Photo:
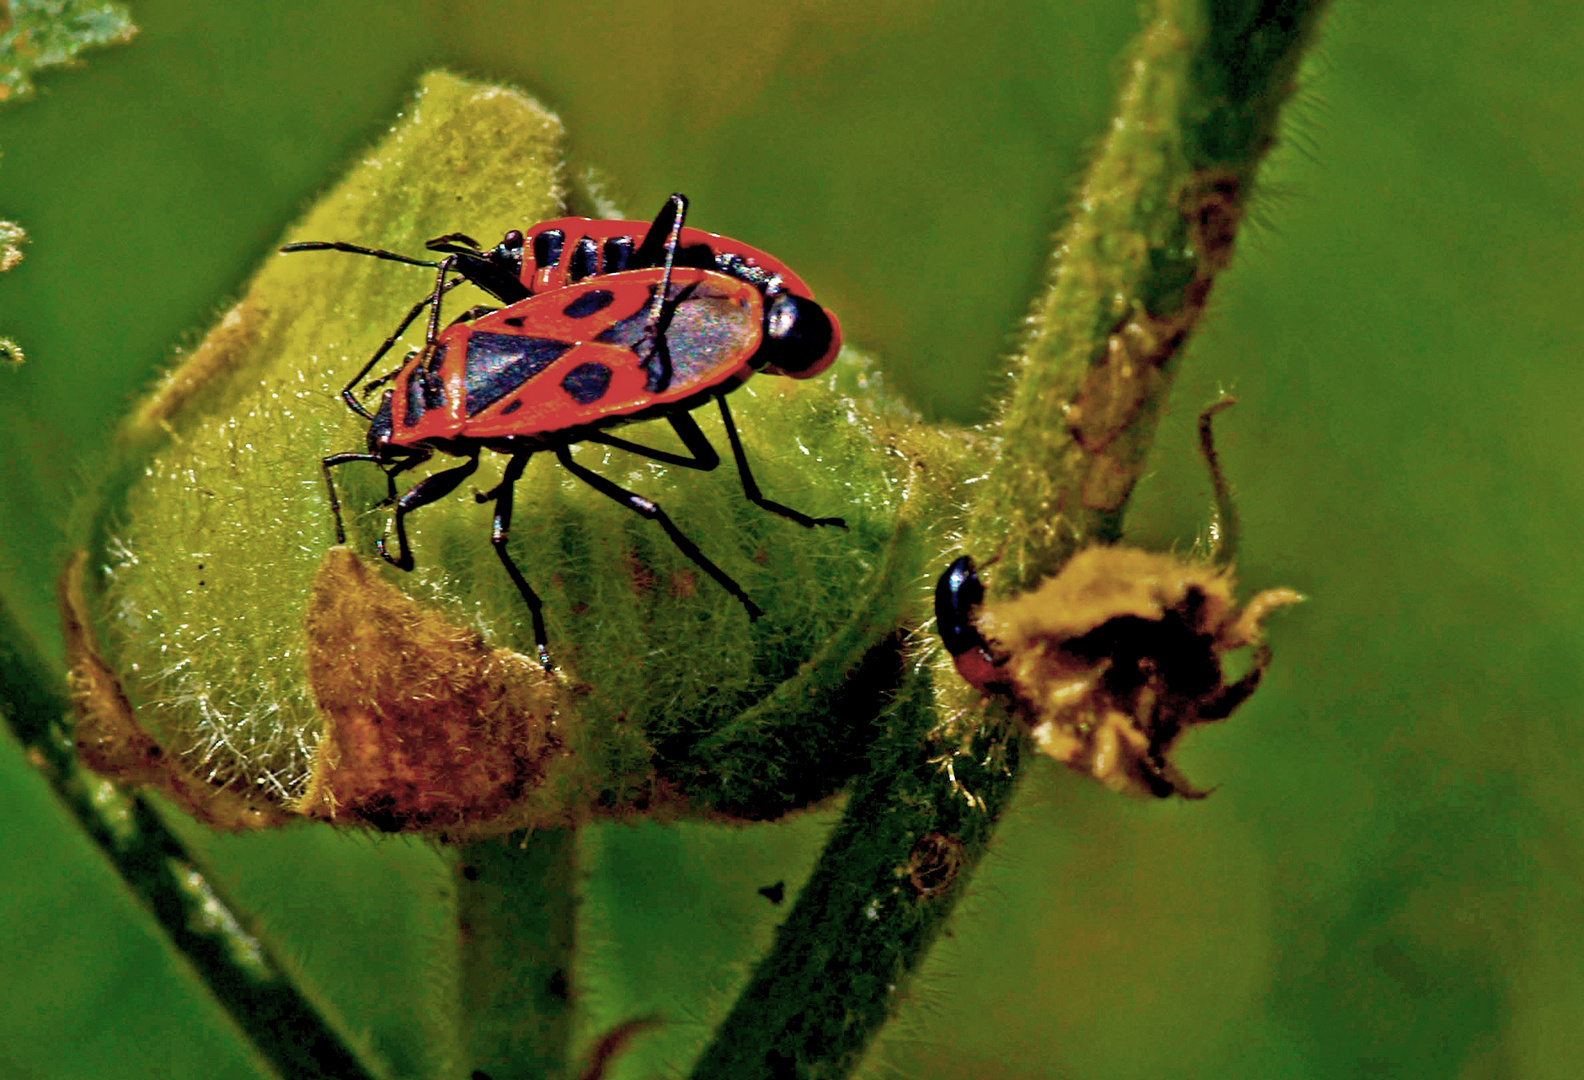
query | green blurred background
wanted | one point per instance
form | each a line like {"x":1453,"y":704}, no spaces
{"x":1387,"y":880}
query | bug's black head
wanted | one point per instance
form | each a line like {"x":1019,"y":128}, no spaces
{"x":497,"y":271}
{"x":801,"y":339}
{"x":958,"y":595}
{"x":508,"y":254}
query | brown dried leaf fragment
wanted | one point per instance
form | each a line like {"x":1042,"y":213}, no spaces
{"x":934,"y":862}
{"x":426,"y":726}
{"x":1117,"y":655}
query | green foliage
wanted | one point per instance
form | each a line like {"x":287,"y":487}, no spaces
{"x":210,"y":554}
{"x":38,"y":34}
{"x":1385,"y":878}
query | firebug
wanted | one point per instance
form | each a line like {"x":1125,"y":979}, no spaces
{"x":659,"y":321}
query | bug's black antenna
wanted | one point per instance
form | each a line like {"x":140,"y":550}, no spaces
{"x":337,"y":245}
{"x":440,"y":289}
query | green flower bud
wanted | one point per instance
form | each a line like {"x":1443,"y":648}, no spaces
{"x":337,"y":687}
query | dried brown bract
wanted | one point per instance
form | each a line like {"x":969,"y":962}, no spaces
{"x":1111,"y":660}
{"x":426,"y":726}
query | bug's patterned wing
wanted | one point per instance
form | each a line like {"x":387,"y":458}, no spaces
{"x":577,"y":357}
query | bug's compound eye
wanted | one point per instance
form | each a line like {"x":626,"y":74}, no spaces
{"x":800,"y":338}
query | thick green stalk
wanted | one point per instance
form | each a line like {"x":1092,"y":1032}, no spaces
{"x":516,"y":907}
{"x":1156,"y":220}
{"x":240,"y":967}
{"x":881,"y":892}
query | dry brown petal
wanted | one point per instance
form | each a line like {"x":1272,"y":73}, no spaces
{"x":1111,"y":660}
{"x":426,"y":726}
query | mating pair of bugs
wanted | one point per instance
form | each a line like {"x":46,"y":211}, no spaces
{"x":604,"y":323}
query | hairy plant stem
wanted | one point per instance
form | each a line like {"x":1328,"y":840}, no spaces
{"x":515,"y":917}
{"x":880,"y":893}
{"x":1157,"y":218}
{"x":1156,"y":221}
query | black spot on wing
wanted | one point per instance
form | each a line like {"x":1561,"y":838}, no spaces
{"x":497,"y":364}
{"x":590,"y":302}
{"x":587,"y":383}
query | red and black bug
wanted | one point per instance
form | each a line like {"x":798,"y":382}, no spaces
{"x":958,"y":596}
{"x":573,"y":355}
{"x":553,"y":254}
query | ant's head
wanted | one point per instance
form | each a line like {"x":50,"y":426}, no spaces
{"x":801,"y":339}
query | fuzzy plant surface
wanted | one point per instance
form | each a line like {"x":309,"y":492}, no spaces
{"x":224,"y":654}
{"x":213,"y":561}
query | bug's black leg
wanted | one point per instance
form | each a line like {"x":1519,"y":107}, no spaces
{"x":335,"y":504}
{"x":374,"y":384}
{"x":424,"y":492}
{"x":1228,"y":698}
{"x":397,"y":469}
{"x":502,"y":494}
{"x":474,"y":312}
{"x":347,"y":394}
{"x":1224,"y":532}
{"x":391,"y":473}
{"x":643,"y":506}
{"x":659,"y":249}
{"x":751,"y":489}
{"x":704,"y":456}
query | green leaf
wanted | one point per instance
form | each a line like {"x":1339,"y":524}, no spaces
{"x":39,"y":34}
